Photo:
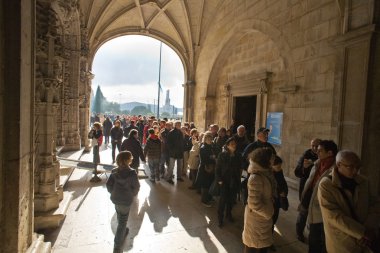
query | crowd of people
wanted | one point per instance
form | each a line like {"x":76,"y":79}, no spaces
{"x":335,"y":200}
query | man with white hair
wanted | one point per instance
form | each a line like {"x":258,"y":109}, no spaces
{"x":350,"y":214}
{"x":241,"y":139}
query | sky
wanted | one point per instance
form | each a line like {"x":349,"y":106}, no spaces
{"x":127,"y":67}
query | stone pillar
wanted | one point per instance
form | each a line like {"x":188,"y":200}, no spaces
{"x":188,"y":106}
{"x":47,"y":194}
{"x":209,"y":114}
{"x":355,"y":103}
{"x":16,"y":109}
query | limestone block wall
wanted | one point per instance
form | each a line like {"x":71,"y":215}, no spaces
{"x":16,"y":107}
{"x":290,"y":39}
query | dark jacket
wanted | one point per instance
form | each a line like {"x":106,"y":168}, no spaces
{"x":123,"y":185}
{"x":107,"y":125}
{"x":175,"y":143}
{"x":153,"y":148}
{"x":206,"y":155}
{"x":116,"y":134}
{"x":133,"y":145}
{"x":164,"y":140}
{"x":303,"y":173}
{"x":128,"y":129}
{"x":282,"y":186}
{"x":219,"y":143}
{"x":187,"y":143}
{"x":241,"y":143}
{"x":228,"y":170}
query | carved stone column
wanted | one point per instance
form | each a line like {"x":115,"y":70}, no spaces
{"x":47,"y":194}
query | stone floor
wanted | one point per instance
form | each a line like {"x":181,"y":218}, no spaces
{"x":163,"y":218}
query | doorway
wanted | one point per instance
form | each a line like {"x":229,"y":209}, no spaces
{"x":245,"y":113}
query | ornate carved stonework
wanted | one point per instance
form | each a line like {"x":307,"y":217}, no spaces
{"x":47,"y":90}
{"x":67,"y":10}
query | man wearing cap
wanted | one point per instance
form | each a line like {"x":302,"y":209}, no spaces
{"x":262,"y":142}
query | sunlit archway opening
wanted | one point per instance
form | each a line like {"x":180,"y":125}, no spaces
{"x":127,"y":72}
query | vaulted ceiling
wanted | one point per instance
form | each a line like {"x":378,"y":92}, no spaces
{"x":182,"y":24}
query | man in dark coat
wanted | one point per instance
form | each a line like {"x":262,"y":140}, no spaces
{"x":241,"y":139}
{"x":175,"y":148}
{"x":164,"y":147}
{"x":129,"y":128}
{"x":116,"y":138}
{"x":107,"y":125}
{"x":132,"y":144}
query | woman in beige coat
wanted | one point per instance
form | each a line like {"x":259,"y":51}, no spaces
{"x":257,"y":233}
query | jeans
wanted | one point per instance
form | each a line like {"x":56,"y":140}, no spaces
{"x":154,"y":168}
{"x":193,"y":176}
{"x":276,"y":213}
{"x":171,"y":167}
{"x":106,"y":139}
{"x":164,"y":159}
{"x":122,"y":212}
{"x":96,"y":157}
{"x":317,"y":239}
{"x":301,"y":223}
{"x":226,"y":200}
{"x":185,"y":164}
{"x":114,"y":145}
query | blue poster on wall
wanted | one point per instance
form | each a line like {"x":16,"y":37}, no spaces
{"x":274,"y":124}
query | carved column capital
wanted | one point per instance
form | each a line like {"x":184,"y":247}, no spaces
{"x":47,"y":90}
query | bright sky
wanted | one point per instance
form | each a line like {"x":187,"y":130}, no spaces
{"x":126,"y":68}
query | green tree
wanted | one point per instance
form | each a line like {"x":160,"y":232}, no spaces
{"x":99,"y":101}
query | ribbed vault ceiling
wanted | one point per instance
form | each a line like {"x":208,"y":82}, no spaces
{"x":180,"y":23}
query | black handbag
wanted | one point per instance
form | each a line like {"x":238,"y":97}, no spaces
{"x":284,"y":203}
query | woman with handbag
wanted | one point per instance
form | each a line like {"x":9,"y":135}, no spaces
{"x":228,"y":177}
{"x":206,"y":169}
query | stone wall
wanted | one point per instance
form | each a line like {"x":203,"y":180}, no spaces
{"x":290,"y":39}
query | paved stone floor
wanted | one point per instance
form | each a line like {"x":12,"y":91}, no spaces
{"x":163,"y":218}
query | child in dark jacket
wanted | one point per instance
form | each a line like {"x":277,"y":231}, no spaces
{"x":123,"y":185}
{"x":281,"y":200}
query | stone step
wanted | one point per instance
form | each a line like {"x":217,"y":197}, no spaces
{"x":65,"y":173}
{"x":59,"y":149}
{"x":74,"y":155}
{"x":38,"y":245}
{"x":53,"y":218}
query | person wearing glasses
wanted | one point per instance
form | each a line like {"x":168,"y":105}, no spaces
{"x":350,"y":213}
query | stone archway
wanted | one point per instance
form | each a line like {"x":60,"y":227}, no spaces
{"x":220,"y":53}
